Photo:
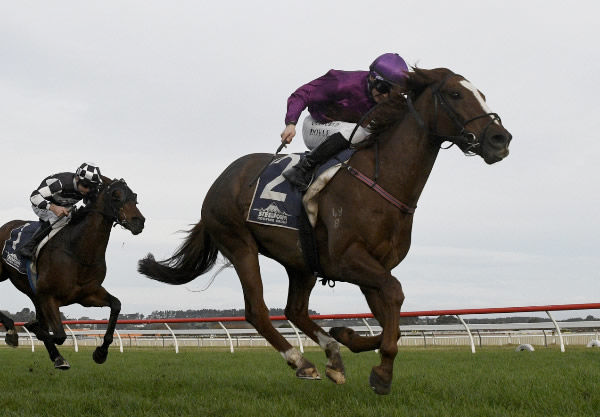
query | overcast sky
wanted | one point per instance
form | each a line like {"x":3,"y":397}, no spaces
{"x":167,"y":94}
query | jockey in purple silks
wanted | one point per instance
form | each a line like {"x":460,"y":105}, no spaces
{"x":336,"y":102}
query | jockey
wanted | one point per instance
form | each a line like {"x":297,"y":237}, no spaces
{"x":54,"y":198}
{"x":336,"y":102}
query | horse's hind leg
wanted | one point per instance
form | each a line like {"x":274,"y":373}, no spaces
{"x":296,"y":310}
{"x":103,"y":299}
{"x":39,"y":327}
{"x":244,"y":258}
{"x":12,"y":337}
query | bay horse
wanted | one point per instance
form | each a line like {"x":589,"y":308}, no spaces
{"x":72,"y":266}
{"x":11,"y":337}
{"x":360,"y":236}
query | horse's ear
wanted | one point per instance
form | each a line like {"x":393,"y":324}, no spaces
{"x":417,"y":81}
{"x":106,"y":180}
{"x":419,"y":78}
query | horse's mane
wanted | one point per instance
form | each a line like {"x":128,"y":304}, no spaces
{"x":395,"y":108}
{"x":80,"y":214}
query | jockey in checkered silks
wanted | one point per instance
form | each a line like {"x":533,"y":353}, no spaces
{"x":54,"y":198}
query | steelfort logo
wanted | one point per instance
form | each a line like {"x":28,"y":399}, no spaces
{"x":272,"y":214}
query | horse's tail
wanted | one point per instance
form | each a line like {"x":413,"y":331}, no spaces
{"x":194,"y":257}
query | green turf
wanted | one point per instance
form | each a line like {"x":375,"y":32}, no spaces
{"x":256,"y":382}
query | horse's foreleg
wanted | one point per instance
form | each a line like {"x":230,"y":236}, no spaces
{"x":353,"y":341}
{"x":296,"y":310}
{"x":385,"y":297}
{"x":103,"y":299}
{"x":12,"y":337}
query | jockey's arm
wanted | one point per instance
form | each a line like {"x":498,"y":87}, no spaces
{"x":40,"y":197}
{"x":288,"y":133}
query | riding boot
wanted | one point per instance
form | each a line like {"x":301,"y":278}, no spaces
{"x":28,"y":249}
{"x":300,"y":174}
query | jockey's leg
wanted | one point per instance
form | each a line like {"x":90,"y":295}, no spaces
{"x":301,"y":173}
{"x":49,"y":221}
{"x":28,"y":250}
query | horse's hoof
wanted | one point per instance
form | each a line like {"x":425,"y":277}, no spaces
{"x":308,"y":373}
{"x":61,"y":363}
{"x":378,"y":384}
{"x":99,"y":355}
{"x":12,"y":338}
{"x":336,"y":375}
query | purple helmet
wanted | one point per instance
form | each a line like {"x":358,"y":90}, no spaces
{"x":390,"y":67}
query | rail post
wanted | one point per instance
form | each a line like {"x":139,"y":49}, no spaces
{"x":174,"y":338}
{"x":560,"y":338}
{"x":75,"y":346}
{"x":545,"y":338}
{"x":468,"y":332}
{"x":228,"y":336}
{"x":30,"y":338}
{"x":297,"y":336}
{"x":121,"y":341}
{"x":370,"y":330}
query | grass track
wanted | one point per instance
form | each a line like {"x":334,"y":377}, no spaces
{"x":256,"y":382}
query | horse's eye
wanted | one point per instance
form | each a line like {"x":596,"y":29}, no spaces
{"x":455,"y":95}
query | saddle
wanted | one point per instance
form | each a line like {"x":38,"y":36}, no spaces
{"x":18,"y":237}
{"x":277,"y":203}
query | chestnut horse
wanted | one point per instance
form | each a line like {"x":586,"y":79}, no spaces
{"x":71,"y":266}
{"x":360,"y":236}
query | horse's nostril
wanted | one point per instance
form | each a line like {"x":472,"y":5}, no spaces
{"x":499,"y":140}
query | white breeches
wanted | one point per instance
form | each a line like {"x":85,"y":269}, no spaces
{"x":314,"y":133}
{"x":49,"y":216}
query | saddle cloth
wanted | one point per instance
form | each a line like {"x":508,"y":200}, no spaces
{"x":18,"y":237}
{"x":277,"y":203}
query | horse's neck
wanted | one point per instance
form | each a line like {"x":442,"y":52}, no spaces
{"x":406,"y":158}
{"x":90,"y":239}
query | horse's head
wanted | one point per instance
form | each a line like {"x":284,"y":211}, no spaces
{"x":117,"y":201}
{"x":460,"y":114}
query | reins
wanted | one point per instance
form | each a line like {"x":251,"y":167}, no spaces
{"x":467,"y":141}
{"x":372,"y":183}
{"x":111,"y":211}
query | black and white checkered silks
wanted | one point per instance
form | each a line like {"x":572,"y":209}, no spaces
{"x":88,"y":171}
{"x":39,"y":197}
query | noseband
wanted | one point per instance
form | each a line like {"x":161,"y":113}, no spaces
{"x":469,"y":143}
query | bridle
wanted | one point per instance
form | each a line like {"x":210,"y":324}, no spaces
{"x":115,"y":211}
{"x":467,"y":141}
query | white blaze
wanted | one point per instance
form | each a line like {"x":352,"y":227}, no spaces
{"x":478,"y":96}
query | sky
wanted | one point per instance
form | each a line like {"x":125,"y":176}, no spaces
{"x":167,"y":94}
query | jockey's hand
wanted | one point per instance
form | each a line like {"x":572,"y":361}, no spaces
{"x":58,"y":210}
{"x":288,"y":133}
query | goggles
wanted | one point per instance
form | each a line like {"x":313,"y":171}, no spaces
{"x":380,"y":84}
{"x":86,"y":184}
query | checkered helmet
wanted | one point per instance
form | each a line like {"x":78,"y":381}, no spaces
{"x":89,"y":173}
